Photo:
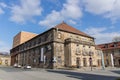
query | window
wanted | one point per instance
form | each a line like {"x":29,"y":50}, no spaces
{"x":34,"y":43}
{"x":83,"y":45}
{"x":119,"y":51}
{"x":78,"y":50}
{"x":6,"y":62}
{"x":107,"y":62}
{"x":49,"y":47}
{"x":106,"y":54}
{"x":106,"y":46}
{"x":59,"y":35}
{"x":42,"y":39}
{"x":112,"y":52}
{"x":71,"y":36}
{"x":77,"y":37}
{"x":39,"y":40}
{"x":115,"y":45}
{"x":26,"y":45}
{"x":59,"y":59}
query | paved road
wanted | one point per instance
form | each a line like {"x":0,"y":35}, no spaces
{"x":9,"y":73}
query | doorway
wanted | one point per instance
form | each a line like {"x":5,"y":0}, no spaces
{"x":78,"y":64}
{"x":119,"y":62}
{"x":84,"y":62}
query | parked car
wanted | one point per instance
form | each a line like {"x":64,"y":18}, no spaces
{"x":27,"y":67}
{"x":17,"y":65}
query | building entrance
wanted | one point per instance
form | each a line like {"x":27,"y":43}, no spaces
{"x":78,"y":62}
{"x":119,"y":62}
{"x":84,"y":62}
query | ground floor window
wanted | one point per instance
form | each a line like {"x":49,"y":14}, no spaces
{"x":84,"y":62}
{"x":78,"y":62}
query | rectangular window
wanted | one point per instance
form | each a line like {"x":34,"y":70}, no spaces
{"x":106,"y":46}
{"x":42,"y":51}
{"x":115,"y":45}
{"x":39,"y":40}
{"x":112,"y":52}
{"x":106,"y":54}
{"x":107,"y":62}
{"x":119,"y":51}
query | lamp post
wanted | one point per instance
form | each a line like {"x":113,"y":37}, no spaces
{"x":90,"y":59}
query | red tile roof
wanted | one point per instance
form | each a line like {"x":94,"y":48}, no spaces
{"x":65,"y":27}
{"x":97,"y":47}
{"x":109,"y":46}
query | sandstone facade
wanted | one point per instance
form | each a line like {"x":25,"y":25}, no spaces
{"x":59,"y":47}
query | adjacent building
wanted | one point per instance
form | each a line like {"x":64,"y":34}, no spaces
{"x":59,"y":47}
{"x":111,"y":53}
{"x":5,"y":59}
{"x":22,"y":37}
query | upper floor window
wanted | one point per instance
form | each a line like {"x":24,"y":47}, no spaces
{"x":39,"y":40}
{"x":119,"y":51}
{"x":29,"y":44}
{"x":83,"y":45}
{"x":106,"y":46}
{"x":26,"y":45}
{"x":34,"y":43}
{"x":106,"y":54}
{"x":112,"y":52}
{"x":115,"y":45}
{"x":59,"y":35}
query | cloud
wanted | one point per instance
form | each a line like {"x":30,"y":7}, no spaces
{"x":114,"y":15}
{"x":4,"y":47}
{"x":2,"y":6}
{"x":25,"y":11}
{"x":107,"y":8}
{"x":100,"y":34}
{"x":71,"y":10}
{"x":55,"y":2}
{"x":98,"y":7}
{"x":51,"y":19}
{"x":1,"y":11}
{"x":72,"y":22}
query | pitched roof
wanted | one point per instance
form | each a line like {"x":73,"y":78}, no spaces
{"x":108,"y":46}
{"x":65,"y":27}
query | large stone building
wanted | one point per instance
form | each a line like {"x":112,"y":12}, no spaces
{"x":111,"y":53}
{"x":58,"y":47}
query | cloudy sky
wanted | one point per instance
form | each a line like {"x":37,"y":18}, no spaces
{"x":98,"y":18}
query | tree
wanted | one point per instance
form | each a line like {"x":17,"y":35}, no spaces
{"x":116,"y":39}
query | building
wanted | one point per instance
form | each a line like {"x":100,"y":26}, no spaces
{"x":58,"y":47}
{"x":5,"y":59}
{"x":22,"y":37}
{"x":111,"y":53}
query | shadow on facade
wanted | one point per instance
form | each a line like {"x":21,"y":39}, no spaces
{"x":84,"y":76}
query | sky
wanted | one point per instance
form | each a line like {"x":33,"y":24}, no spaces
{"x":98,"y":18}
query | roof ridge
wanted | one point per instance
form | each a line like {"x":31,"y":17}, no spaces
{"x":64,"y":26}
